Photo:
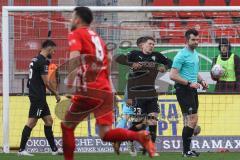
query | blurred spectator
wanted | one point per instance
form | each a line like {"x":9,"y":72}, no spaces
{"x":230,"y":81}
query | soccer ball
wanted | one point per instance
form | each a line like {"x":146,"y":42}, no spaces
{"x":217,"y":71}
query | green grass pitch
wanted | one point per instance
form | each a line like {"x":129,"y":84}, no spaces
{"x":110,"y":156}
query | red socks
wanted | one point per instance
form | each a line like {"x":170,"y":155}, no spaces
{"x":68,"y":142}
{"x":120,"y":134}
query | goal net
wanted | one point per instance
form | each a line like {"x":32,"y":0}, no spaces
{"x":218,"y":113}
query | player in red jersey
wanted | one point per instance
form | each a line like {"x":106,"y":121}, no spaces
{"x":89,"y":73}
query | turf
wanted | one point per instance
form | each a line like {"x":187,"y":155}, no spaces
{"x":109,"y":156}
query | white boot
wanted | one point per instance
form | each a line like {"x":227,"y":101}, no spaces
{"x":24,"y":153}
{"x":132,"y":149}
{"x":55,"y":153}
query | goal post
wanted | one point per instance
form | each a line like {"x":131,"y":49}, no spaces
{"x":6,"y":10}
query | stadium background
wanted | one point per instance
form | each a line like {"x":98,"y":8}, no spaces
{"x":28,"y":30}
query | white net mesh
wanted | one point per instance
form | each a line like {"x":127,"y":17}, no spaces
{"x":120,"y":31}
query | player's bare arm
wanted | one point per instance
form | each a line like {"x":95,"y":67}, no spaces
{"x":163,"y":69}
{"x":50,"y":88}
{"x":74,"y":61}
{"x":73,"y":64}
{"x":202,"y":82}
{"x":174,"y":75}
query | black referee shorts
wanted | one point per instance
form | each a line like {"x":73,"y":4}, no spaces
{"x":144,"y":106}
{"x":38,"y":109}
{"x":187,"y":98}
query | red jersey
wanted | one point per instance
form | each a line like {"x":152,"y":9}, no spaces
{"x":88,"y":42}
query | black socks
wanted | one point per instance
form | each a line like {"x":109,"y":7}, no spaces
{"x":50,"y":138}
{"x":187,"y":137}
{"x":25,"y":136}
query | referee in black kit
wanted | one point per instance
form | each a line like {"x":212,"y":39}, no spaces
{"x":37,"y":83}
{"x":141,"y":81}
{"x":184,"y":72}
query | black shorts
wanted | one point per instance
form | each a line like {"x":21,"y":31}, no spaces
{"x":146,"y":106}
{"x":187,"y":99}
{"x":38,"y":109}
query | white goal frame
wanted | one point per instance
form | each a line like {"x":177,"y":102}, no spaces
{"x":5,"y":39}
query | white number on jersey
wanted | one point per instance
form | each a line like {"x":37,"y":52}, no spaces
{"x":30,"y":70}
{"x":98,"y":46}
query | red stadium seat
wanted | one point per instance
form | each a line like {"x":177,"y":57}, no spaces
{"x":230,"y":32}
{"x":199,"y":24}
{"x":0,"y":57}
{"x":20,"y":3}
{"x":234,"y":40}
{"x":205,"y":40}
{"x":33,"y":2}
{"x":235,"y":14}
{"x":38,"y":3}
{"x":54,"y":2}
{"x":17,"y":27}
{"x":177,"y":40}
{"x":190,"y":14}
{"x":204,"y":33}
{"x":23,"y":52}
{"x":170,"y":23}
{"x":27,"y":44}
{"x":171,"y":33}
{"x":217,"y":14}
{"x":23,"y":57}
{"x":59,"y":30}
{"x":164,"y":3}
{"x":59,"y":33}
{"x":235,"y":3}
{"x":42,"y":33}
{"x":190,"y":3}
{"x":216,"y":3}
{"x":40,"y":21}
{"x":227,"y":20}
{"x":30,"y":33}
{"x":57,"y":16}
{"x":0,"y":64}
{"x":3,"y":3}
{"x":61,"y":43}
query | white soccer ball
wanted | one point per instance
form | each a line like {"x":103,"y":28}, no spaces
{"x":217,"y":71}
